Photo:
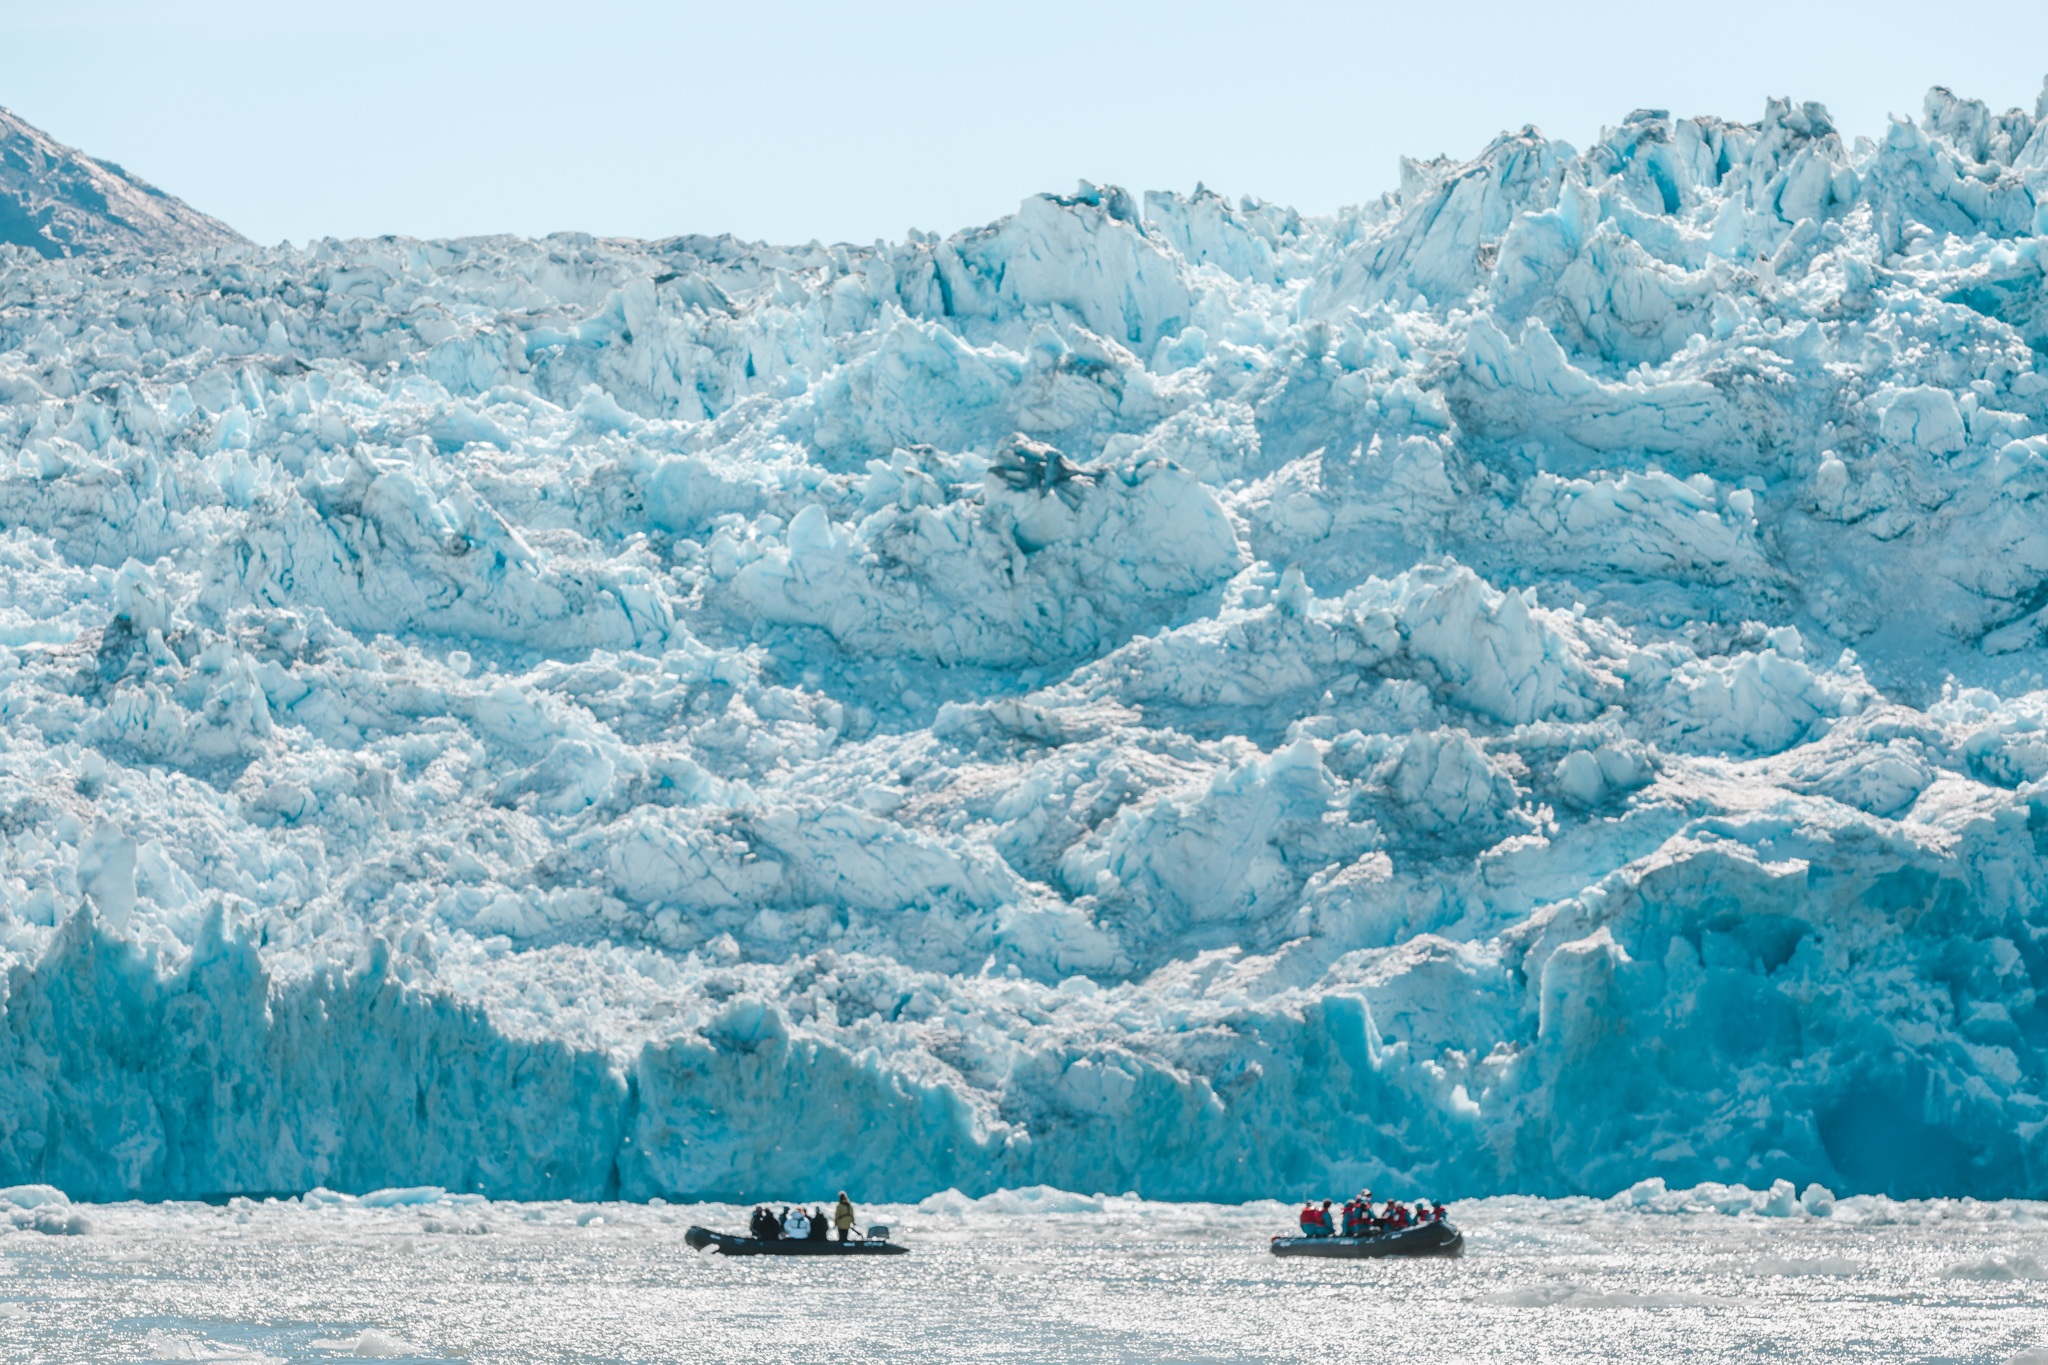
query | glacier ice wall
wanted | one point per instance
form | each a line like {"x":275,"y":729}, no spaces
{"x":1531,"y":684}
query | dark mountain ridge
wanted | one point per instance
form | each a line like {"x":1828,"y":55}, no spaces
{"x":57,"y":201}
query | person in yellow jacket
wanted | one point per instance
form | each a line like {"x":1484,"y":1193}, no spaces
{"x":842,"y":1217}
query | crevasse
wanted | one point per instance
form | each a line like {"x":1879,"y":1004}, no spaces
{"x":1533,"y":684}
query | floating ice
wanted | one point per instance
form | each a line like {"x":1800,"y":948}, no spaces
{"x":1531,"y":684}
{"x":420,"y":1194}
{"x":369,"y":1343}
{"x":2005,"y":1267}
{"x":162,"y":1345}
{"x":1834,"y":1266}
{"x":53,"y":1222}
{"x":1031,"y":1273}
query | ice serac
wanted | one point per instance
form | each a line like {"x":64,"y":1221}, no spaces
{"x":57,"y":201}
{"x":1535,"y":683}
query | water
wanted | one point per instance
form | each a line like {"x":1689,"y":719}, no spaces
{"x":1034,"y":1277}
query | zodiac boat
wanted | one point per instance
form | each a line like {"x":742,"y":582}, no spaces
{"x":1425,"y":1239}
{"x":874,"y":1242}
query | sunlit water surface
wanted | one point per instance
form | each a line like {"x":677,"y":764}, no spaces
{"x":1023,"y":1278}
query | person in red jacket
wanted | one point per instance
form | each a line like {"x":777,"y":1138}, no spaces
{"x":1309,"y":1218}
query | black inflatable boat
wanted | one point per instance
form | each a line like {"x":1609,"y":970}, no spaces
{"x":1427,"y":1239}
{"x":875,"y":1242}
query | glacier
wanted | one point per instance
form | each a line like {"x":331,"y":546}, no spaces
{"x":1528,"y":685}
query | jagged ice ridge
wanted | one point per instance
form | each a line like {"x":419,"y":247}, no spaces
{"x":1531,"y":684}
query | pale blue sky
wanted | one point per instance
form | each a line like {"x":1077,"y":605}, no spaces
{"x":791,"y":120}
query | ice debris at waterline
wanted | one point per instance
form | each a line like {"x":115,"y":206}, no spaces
{"x":1711,"y":1273}
{"x":1531,"y":684}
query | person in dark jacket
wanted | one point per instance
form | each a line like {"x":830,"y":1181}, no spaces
{"x":820,"y":1228}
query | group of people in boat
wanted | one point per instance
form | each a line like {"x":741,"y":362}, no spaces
{"x":1358,"y":1219}
{"x":793,"y":1224}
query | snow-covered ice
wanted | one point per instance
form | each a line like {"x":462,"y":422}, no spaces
{"x":1529,"y":685}
{"x":1033,"y":1274}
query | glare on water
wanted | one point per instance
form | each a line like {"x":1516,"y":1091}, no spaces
{"x":1025,"y":1277}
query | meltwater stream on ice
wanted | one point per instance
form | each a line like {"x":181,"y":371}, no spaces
{"x":1712,"y":1273}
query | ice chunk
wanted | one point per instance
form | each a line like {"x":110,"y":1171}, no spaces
{"x":1922,"y":416}
{"x":398,"y":1198}
{"x":1492,"y":651}
{"x":33,"y":1196}
{"x":158,"y":1344}
{"x":1999,"y":1267}
{"x":369,"y":1343}
{"x":52,"y":1220}
{"x":106,"y":873}
{"x":1806,"y":1265}
{"x":1446,"y":781}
